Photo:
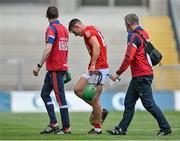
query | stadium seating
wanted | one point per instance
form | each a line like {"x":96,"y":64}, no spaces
{"x":161,"y":33}
{"x":21,"y":45}
{"x":23,"y":42}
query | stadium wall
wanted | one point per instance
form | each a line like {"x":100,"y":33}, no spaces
{"x":30,"y":101}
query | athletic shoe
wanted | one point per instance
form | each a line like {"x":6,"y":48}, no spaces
{"x":116,"y":131}
{"x":50,"y":129}
{"x":63,"y":131}
{"x":163,"y":132}
{"x":94,"y":132}
{"x":104,"y":115}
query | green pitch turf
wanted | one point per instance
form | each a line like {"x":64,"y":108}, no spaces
{"x":27,"y":126}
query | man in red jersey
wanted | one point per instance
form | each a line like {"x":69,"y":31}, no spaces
{"x":142,"y":76}
{"x":98,"y":52}
{"x":56,"y":56}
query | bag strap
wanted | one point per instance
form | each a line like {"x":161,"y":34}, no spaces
{"x":140,"y":34}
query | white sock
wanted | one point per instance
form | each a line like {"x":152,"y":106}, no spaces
{"x":97,"y":129}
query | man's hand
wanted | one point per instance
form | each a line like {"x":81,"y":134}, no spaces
{"x":114,"y":77}
{"x":92,"y":68}
{"x":36,"y":71}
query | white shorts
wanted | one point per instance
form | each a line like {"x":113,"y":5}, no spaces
{"x":104,"y":72}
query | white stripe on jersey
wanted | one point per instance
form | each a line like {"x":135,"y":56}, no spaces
{"x":51,"y":36}
{"x":133,"y":45}
{"x":149,"y":59}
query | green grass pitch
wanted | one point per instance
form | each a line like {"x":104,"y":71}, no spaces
{"x":26,"y":126}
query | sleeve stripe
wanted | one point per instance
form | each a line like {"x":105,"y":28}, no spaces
{"x":134,"y":45}
{"x":51,"y":36}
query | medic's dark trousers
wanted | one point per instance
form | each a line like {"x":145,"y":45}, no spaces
{"x":54,"y":81}
{"x":140,"y":87}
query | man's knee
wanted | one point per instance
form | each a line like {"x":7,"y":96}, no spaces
{"x":150,"y":106}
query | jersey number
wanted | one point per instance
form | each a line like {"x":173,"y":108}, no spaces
{"x":63,"y":45}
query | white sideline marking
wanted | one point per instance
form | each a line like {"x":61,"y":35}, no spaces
{"x":173,"y":129}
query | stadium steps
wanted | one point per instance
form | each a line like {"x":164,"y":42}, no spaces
{"x":162,"y":36}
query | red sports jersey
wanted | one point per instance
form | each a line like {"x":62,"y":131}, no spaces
{"x":102,"y":59}
{"x":57,"y":35}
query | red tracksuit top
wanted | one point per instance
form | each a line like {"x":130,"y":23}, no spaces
{"x":135,"y":56}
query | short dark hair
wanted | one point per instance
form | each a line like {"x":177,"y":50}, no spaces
{"x":72,"y":23}
{"x":52,"y":12}
{"x":131,"y":19}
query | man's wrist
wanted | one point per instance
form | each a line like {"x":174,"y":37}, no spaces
{"x":39,"y":65}
{"x":93,"y":64}
{"x":117,"y":75}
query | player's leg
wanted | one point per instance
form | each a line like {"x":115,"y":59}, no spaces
{"x":97,"y":111}
{"x":79,"y":87}
{"x":105,"y":73}
{"x":104,"y":114}
{"x":99,"y":114}
{"x":150,"y":105}
{"x":45,"y":95}
{"x":58,"y":86}
{"x":78,"y":90}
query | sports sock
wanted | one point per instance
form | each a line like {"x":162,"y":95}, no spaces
{"x":67,"y":129}
{"x":97,"y":125}
{"x":54,"y":124}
